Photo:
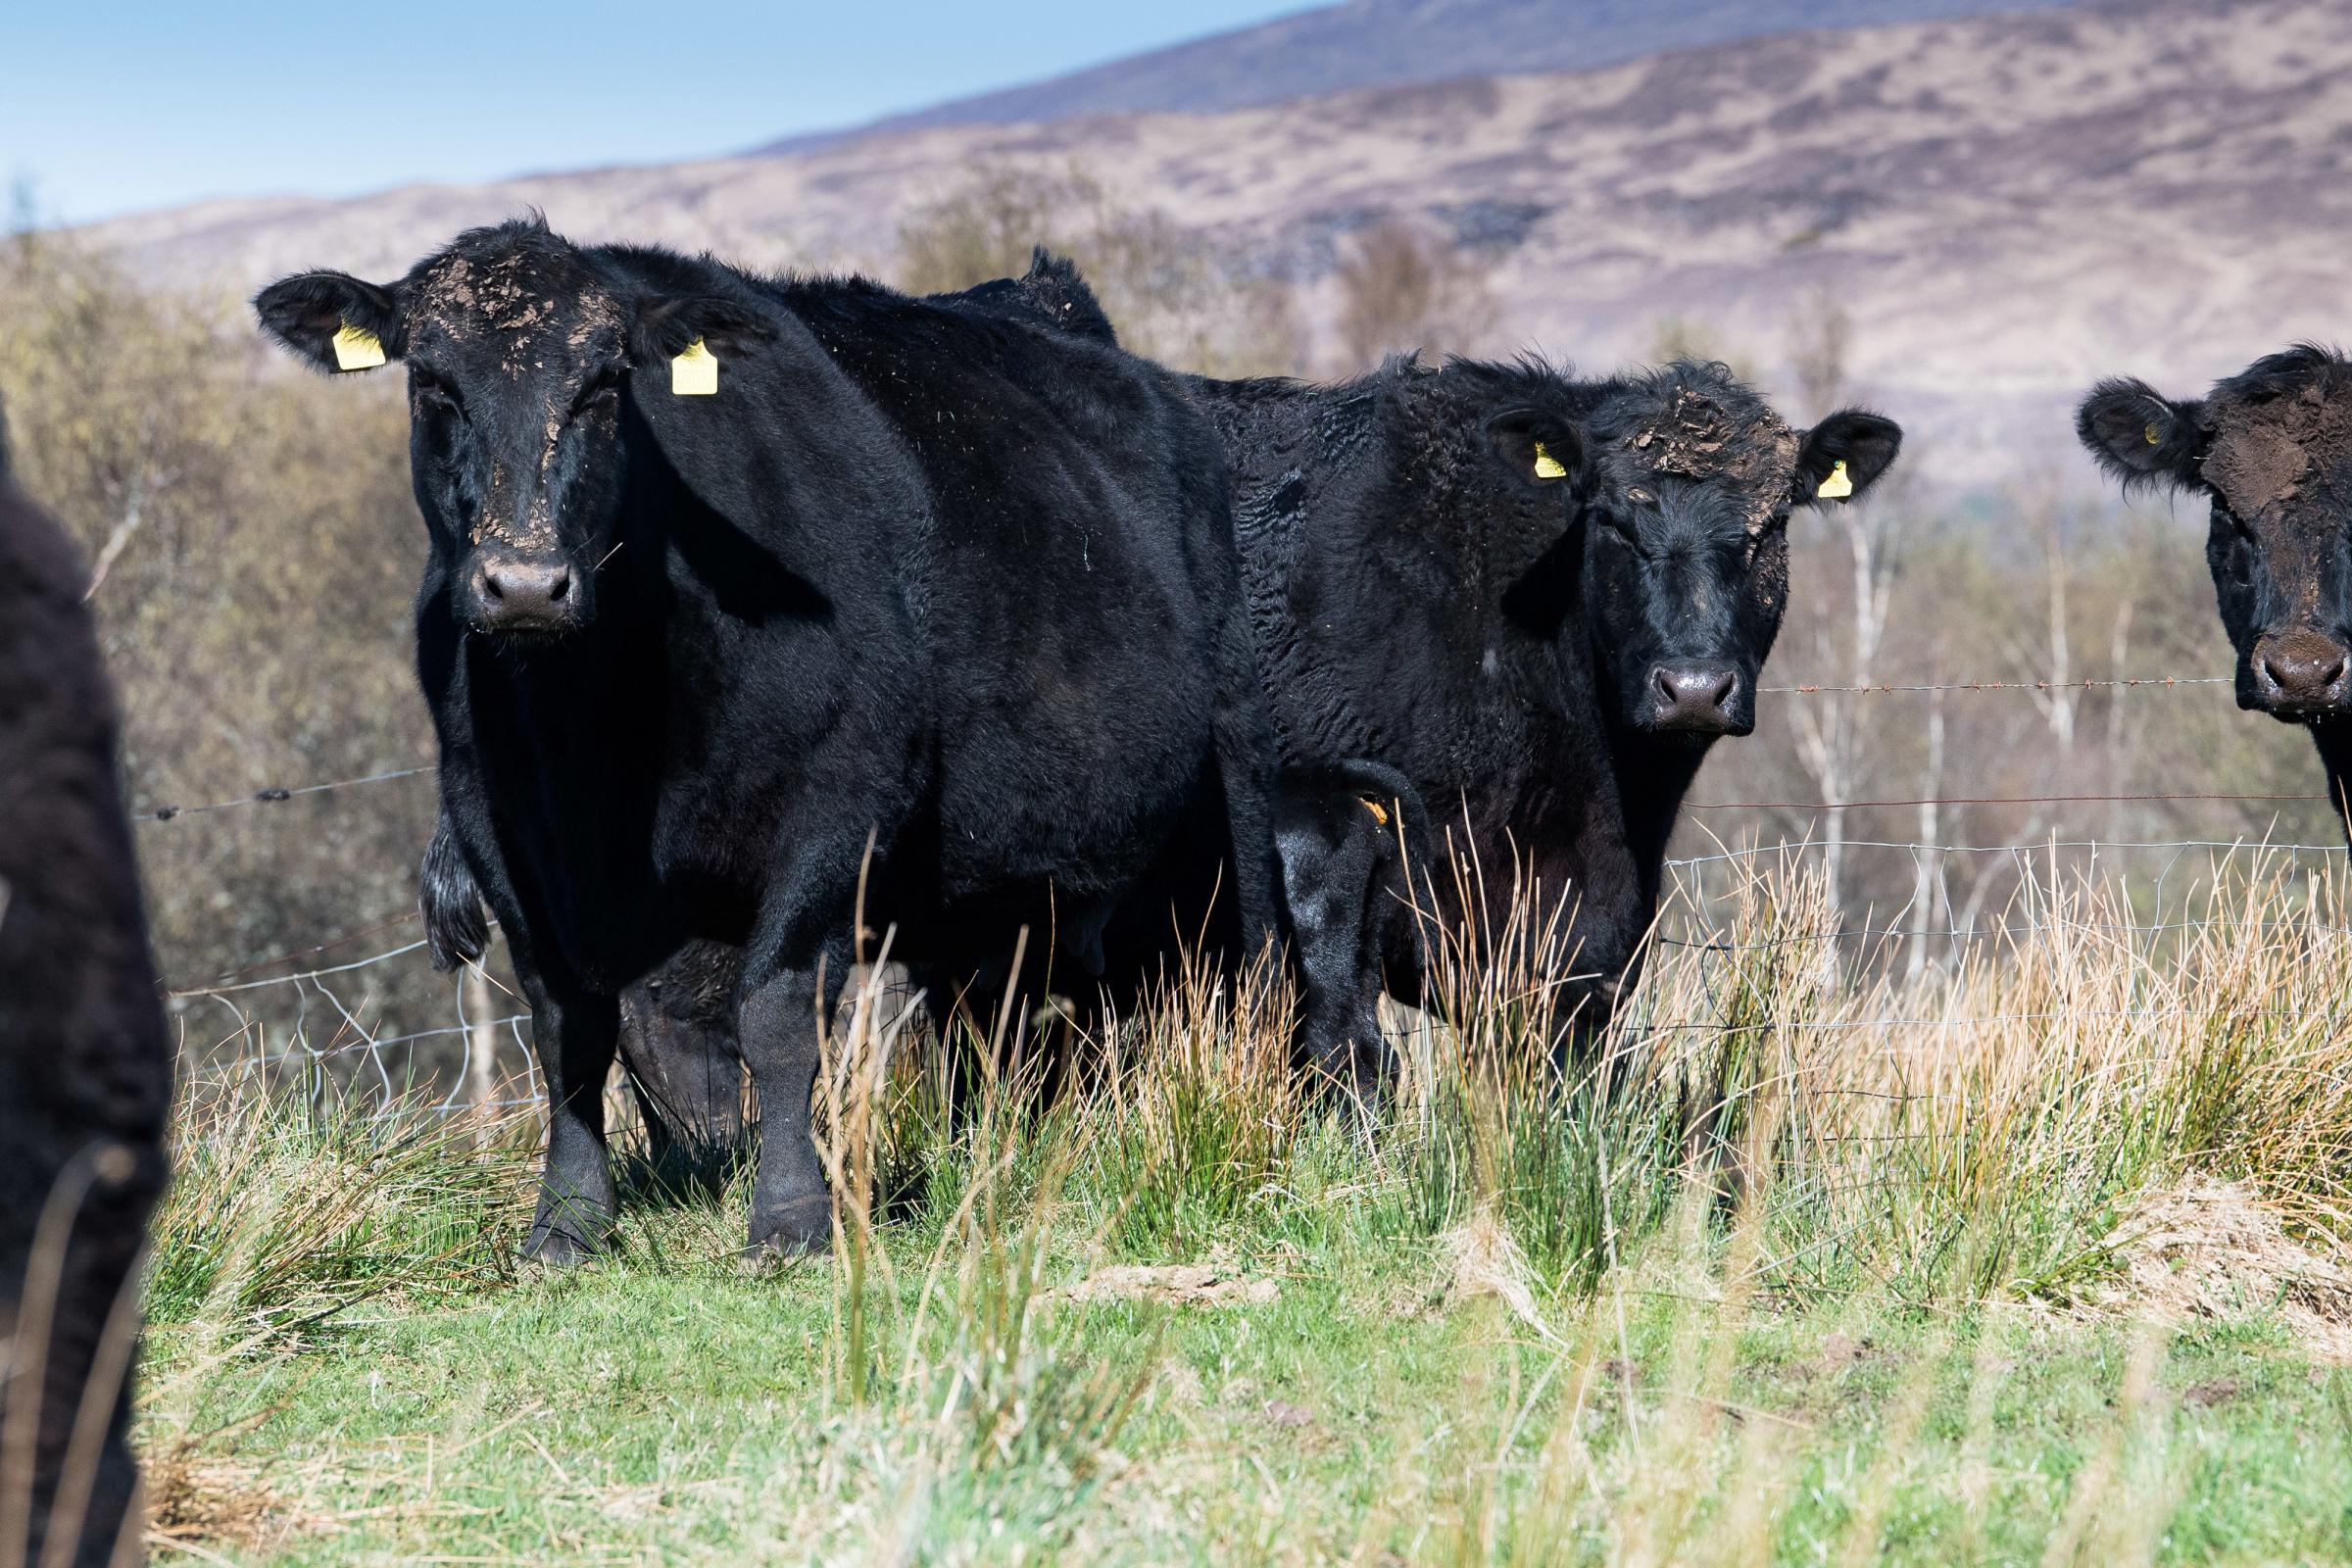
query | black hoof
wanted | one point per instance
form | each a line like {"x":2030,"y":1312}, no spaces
{"x":802,"y":1228}
{"x":558,"y":1249}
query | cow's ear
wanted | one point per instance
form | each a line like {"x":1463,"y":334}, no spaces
{"x":334,"y":320}
{"x":667,"y":326}
{"x":1538,"y":448}
{"x":1845,"y":454}
{"x":2139,"y":435}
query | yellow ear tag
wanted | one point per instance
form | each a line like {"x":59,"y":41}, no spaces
{"x":694,"y":373}
{"x":1836,"y":488}
{"x":1547,"y":467}
{"x":2155,"y":435}
{"x":1380,"y":812}
{"x":357,"y":349}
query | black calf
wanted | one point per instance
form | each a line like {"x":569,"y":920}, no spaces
{"x":85,"y":1064}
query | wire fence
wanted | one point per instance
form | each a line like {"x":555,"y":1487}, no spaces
{"x":309,"y":1027}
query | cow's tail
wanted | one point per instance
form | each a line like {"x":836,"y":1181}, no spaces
{"x":456,"y":930}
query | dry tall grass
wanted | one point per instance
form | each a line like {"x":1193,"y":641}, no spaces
{"x":2084,"y":1097}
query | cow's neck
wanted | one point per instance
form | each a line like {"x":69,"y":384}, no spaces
{"x":1654,"y":772}
{"x":565,"y":744}
{"x":2334,"y":743}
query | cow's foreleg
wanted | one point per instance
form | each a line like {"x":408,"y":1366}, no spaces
{"x":788,"y":998}
{"x":573,"y":1033}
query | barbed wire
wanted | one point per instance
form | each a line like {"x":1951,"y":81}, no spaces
{"x":346,"y":1040}
{"x":2008,"y":930}
{"x":2030,"y":847}
{"x":276,"y":794}
{"x":2118,"y":683}
{"x":1982,"y":799}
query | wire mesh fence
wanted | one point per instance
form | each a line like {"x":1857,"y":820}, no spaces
{"x":315,"y":1028}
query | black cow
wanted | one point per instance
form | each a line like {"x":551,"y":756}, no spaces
{"x":922,"y":605}
{"x":85,"y":1062}
{"x":678,"y":1031}
{"x":2271,"y":449}
{"x":1540,"y":600}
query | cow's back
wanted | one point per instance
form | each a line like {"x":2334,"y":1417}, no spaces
{"x":84,"y":1059}
{"x":1076,"y":571}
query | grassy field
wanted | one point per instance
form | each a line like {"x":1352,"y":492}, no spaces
{"x":2036,"y":1258}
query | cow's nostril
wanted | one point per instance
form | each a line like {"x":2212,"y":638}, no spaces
{"x":490,"y":587}
{"x":560,"y":590}
{"x":1662,"y":681}
{"x":1721,"y":696}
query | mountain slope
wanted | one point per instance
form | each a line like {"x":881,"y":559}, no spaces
{"x":1385,"y":43}
{"x":2008,"y":206}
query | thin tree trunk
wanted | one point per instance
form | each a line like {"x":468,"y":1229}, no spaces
{"x":481,"y":1053}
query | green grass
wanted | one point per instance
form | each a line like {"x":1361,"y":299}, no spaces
{"x":1894,"y":1301}
{"x":640,"y":1412}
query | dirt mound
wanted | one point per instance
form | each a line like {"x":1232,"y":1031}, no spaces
{"x":198,"y":1497}
{"x":2214,"y":1249}
{"x":1481,"y":1259}
{"x":1175,"y":1284}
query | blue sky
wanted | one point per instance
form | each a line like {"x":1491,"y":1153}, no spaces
{"x":116,"y":108}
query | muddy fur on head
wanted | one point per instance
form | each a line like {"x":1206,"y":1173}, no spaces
{"x":1494,"y":578}
{"x":2271,"y":449}
{"x":2279,"y":431}
{"x":730,"y":730}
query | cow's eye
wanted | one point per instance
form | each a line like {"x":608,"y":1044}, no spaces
{"x":602,"y":392}
{"x":434,"y":393}
{"x":1617,"y":522}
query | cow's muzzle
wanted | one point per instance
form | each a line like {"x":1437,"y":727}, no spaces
{"x":2301,"y":675}
{"x":1695,"y":699}
{"x":529,"y":594}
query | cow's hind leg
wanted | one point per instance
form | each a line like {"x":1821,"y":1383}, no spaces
{"x":573,"y":1032}
{"x":1338,"y":847}
{"x":1244,"y":753}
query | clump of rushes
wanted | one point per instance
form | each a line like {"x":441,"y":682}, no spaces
{"x":283,"y":1210}
{"x":1193,"y":1123}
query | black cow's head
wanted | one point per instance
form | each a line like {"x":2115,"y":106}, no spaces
{"x":519,"y":346}
{"x":2272,"y":448}
{"x":1684,"y":480}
